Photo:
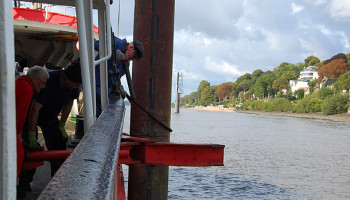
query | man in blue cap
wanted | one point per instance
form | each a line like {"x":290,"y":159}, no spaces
{"x":125,"y":52}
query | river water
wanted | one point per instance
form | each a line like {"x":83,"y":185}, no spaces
{"x":266,"y":157}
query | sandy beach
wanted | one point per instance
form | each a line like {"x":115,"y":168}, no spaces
{"x":344,"y":117}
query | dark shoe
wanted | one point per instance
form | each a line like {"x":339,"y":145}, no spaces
{"x":21,"y":194}
{"x":24,"y":187}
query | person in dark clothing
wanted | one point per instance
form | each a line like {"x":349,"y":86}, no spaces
{"x":26,"y":85}
{"x":57,"y":97}
{"x":61,"y":89}
{"x":125,"y":52}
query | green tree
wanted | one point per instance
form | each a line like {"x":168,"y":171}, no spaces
{"x":336,"y":104}
{"x":189,"y":100}
{"x":256,"y":74}
{"x":314,"y":105}
{"x":263,"y":85}
{"x":203,"y":84}
{"x":285,"y":67}
{"x":213,"y":90}
{"x":206,"y":96}
{"x":282,"y":65}
{"x":290,"y":75}
{"x":300,"y":67}
{"x":246,"y":76}
{"x":184,"y":100}
{"x":344,"y":82}
{"x":325,"y":93}
{"x":348,"y":58}
{"x":280,"y":83}
{"x":300,"y":93}
{"x":312,"y":85}
{"x":312,"y":61}
{"x":235,"y":91}
{"x":244,"y":85}
{"x":278,"y":104}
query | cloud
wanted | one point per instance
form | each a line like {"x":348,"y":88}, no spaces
{"x":317,"y":2}
{"x":217,"y":19}
{"x":344,"y":40}
{"x":219,"y":41}
{"x":296,"y":8}
{"x":188,"y":74}
{"x":325,"y":30}
{"x":339,"y":36}
{"x":340,"y":9}
{"x":221,"y":67}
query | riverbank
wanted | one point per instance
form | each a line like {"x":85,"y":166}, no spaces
{"x":211,"y":108}
{"x":343,"y":117}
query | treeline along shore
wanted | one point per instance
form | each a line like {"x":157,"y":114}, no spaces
{"x":342,"y":117}
{"x":298,"y":90}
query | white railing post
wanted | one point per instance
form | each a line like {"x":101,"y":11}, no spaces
{"x":102,"y":53}
{"x":90,"y":47}
{"x":109,"y":44}
{"x":89,"y":117}
{"x":7,"y":104}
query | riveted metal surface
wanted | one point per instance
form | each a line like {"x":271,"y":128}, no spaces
{"x":89,"y":172}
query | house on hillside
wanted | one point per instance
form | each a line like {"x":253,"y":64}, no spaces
{"x":328,"y":82}
{"x":308,"y":74}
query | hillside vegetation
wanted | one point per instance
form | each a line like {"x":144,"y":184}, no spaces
{"x":271,"y":90}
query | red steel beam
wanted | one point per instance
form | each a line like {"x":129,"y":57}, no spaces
{"x":184,"y":154}
{"x":149,"y":153}
{"x":34,"y":159}
{"x":172,"y":154}
{"x":47,"y":155}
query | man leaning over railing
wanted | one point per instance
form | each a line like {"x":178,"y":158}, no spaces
{"x":124,"y":53}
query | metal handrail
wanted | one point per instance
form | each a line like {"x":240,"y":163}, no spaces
{"x":89,"y":172}
{"x":109,"y":40}
{"x":86,"y":44}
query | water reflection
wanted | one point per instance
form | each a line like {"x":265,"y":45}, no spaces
{"x":266,"y":157}
{"x":204,"y":184}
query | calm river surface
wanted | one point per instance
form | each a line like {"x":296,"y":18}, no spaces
{"x":266,"y":157}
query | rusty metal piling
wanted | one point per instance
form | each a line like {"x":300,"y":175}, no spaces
{"x":154,"y":27}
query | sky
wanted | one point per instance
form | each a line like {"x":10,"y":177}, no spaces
{"x":219,"y":41}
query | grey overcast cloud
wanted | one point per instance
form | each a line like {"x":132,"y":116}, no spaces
{"x":219,"y":41}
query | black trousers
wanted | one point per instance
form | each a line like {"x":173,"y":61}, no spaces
{"x":53,"y":140}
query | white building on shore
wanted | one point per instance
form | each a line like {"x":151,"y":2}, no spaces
{"x":308,"y":74}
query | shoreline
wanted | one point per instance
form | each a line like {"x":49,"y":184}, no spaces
{"x":343,"y":117}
